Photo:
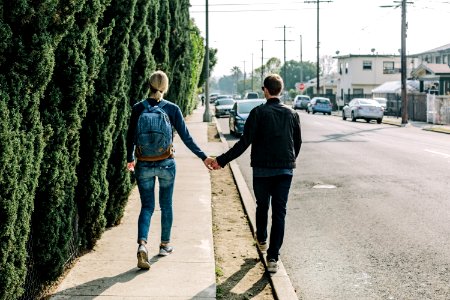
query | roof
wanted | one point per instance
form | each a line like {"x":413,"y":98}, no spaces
{"x":441,"y":48}
{"x":393,"y":87}
{"x":437,"y":68}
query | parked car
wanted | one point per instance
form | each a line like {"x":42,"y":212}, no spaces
{"x":383,"y":102}
{"x":223,"y":97}
{"x":213,"y":97}
{"x":223,"y":106}
{"x":360,"y":108}
{"x":301,"y":102}
{"x":319,"y":104}
{"x":251,"y":95}
{"x":239,"y":114}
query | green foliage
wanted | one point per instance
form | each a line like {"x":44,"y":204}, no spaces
{"x":70,"y":72}
{"x":212,"y":63}
{"x":293,"y":72}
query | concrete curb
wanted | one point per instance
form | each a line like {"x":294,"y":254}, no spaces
{"x":280,"y":281}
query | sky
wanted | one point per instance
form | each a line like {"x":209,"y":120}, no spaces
{"x":240,"y":28}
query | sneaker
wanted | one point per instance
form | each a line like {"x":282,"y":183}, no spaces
{"x":272,"y":266}
{"x":165,"y":250}
{"x":142,"y":256}
{"x":262,"y":246}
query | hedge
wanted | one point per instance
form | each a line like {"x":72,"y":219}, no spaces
{"x":70,"y":72}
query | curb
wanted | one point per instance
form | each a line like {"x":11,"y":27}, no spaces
{"x":280,"y":281}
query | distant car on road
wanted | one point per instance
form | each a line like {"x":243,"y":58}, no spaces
{"x":251,"y":95}
{"x":239,"y":114}
{"x":301,"y":102}
{"x":360,"y":108}
{"x":223,"y":106}
{"x":319,"y":104}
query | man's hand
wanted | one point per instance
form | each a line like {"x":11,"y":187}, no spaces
{"x":215,"y":165}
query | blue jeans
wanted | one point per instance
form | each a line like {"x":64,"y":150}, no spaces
{"x":146,"y":173}
{"x":273,"y":190}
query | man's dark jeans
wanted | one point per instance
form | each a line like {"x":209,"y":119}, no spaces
{"x":273,"y":191}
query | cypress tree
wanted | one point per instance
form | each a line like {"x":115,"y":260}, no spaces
{"x":180,"y":52}
{"x":63,"y":108}
{"x":100,"y":124}
{"x":116,"y":84}
{"x":161,"y":46}
{"x":30,"y":33}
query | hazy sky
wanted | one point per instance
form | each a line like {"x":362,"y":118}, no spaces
{"x":236,"y":28}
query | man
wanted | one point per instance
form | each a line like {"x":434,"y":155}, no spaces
{"x":273,"y":130}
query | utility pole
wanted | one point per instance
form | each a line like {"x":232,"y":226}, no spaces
{"x":301,"y":60}
{"x":252,"y":74}
{"x":404,"y":27}
{"x":245,"y":75}
{"x":206,"y":114}
{"x":318,"y":42}
{"x":403,"y":67}
{"x":284,"y":48}
{"x":262,"y":62}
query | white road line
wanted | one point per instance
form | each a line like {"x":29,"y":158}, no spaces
{"x":438,"y":153}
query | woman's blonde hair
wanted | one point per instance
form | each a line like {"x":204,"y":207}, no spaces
{"x":159,"y":84}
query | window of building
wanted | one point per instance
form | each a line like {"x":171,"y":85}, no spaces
{"x":340,"y":68}
{"x":438,"y":59}
{"x":388,"y":67}
{"x":367,"y":65}
{"x":358,"y":92}
{"x":346,"y":68}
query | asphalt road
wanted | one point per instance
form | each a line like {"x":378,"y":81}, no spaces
{"x":369,"y":211}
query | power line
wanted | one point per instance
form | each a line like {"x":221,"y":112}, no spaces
{"x":318,"y":41}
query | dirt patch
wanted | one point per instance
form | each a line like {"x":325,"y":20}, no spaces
{"x":240,"y":273}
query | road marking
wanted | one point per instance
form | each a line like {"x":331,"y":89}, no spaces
{"x":438,"y":153}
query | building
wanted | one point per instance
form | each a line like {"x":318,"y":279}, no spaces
{"x":360,"y":74}
{"x":432,"y":69}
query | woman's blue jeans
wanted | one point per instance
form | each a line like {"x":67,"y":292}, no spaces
{"x":146,"y":174}
{"x":273,"y":190}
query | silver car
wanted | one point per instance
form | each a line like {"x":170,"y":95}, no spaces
{"x":360,"y":108}
{"x":301,"y":102}
{"x":223,"y":107}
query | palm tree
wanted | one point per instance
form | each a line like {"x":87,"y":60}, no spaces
{"x":236,"y":72}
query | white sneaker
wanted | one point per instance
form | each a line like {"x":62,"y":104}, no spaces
{"x":142,"y":256}
{"x":272,"y":266}
{"x":165,"y":250}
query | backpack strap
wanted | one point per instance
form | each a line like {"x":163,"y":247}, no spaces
{"x":159,"y":105}
{"x":162,"y":103}
{"x":146,"y":105}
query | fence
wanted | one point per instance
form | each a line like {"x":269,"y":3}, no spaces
{"x":438,"y":109}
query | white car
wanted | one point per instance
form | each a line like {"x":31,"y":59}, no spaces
{"x":360,"y":108}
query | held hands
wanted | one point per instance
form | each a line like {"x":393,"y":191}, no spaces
{"x":130,"y":166}
{"x":211,"y":163}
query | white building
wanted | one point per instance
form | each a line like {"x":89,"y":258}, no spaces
{"x":360,"y":74}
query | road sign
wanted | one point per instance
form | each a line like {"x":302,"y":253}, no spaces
{"x":301,"y":86}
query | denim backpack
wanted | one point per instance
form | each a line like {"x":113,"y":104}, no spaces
{"x":153,"y":133}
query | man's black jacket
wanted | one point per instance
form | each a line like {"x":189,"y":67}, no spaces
{"x":273,"y":130}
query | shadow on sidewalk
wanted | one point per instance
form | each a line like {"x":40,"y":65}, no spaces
{"x":224,"y":290}
{"x":94,"y":288}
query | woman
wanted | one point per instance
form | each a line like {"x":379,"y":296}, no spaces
{"x":164,"y":168}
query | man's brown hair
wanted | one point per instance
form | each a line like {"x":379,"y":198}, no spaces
{"x":274,"y":84}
